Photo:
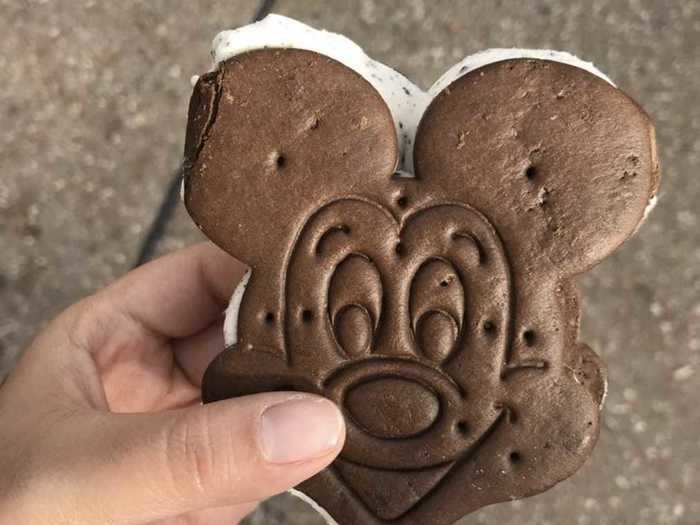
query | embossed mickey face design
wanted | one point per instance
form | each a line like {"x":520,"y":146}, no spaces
{"x":391,"y":314}
{"x":438,"y":311}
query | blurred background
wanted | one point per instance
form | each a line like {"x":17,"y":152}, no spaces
{"x":92,"y":113}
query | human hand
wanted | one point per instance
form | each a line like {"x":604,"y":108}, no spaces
{"x":101,"y":421}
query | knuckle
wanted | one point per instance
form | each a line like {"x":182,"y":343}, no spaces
{"x":191,"y":455}
{"x":84,"y":322}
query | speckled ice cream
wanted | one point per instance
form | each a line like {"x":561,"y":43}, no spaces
{"x":491,"y":56}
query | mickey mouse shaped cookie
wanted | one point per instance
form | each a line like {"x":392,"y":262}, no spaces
{"x":412,"y":257}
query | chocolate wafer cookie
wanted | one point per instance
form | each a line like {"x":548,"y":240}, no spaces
{"x":412,"y":257}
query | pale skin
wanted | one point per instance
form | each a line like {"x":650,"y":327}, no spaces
{"x":102,"y":423}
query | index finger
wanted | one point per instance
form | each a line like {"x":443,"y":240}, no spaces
{"x":177,"y":295}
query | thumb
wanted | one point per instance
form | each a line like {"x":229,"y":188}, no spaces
{"x":220,"y":454}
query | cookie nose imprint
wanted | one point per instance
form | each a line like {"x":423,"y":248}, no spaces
{"x":392,"y":407}
{"x":397,"y":406}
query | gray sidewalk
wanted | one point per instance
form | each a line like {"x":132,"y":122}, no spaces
{"x":92,"y":114}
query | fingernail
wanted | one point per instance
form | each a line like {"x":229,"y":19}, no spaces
{"x":300,"y":429}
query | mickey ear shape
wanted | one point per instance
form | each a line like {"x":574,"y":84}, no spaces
{"x":272,"y":134}
{"x":563,"y":163}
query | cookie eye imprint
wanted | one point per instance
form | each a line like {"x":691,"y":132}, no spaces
{"x":436,"y":334}
{"x":355,"y":298}
{"x":353,"y":329}
{"x":437,"y":309}
{"x":468,"y":242}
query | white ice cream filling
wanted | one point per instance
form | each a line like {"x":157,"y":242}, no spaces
{"x":320,"y":510}
{"x":491,"y":56}
{"x":234,"y":305}
{"x":650,"y":207}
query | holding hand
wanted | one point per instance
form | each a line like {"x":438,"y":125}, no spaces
{"x":101,"y":422}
